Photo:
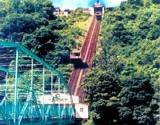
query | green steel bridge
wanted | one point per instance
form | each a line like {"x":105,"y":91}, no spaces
{"x":31,"y":90}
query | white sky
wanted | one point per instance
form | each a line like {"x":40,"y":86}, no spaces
{"x":115,"y":2}
{"x":72,"y":4}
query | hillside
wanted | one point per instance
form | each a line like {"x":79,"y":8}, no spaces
{"x":33,"y":24}
{"x":122,"y":87}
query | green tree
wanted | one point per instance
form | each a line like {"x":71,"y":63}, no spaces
{"x":115,"y":102}
{"x":147,"y":3}
{"x":136,"y":2}
{"x":121,"y":34}
{"x":156,"y":1}
{"x":102,"y":88}
{"x":130,"y":55}
{"x":16,"y":26}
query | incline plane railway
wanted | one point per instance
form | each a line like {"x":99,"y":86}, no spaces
{"x":85,"y":55}
{"x":32,"y":92}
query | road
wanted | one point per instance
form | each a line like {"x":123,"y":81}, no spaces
{"x":87,"y":53}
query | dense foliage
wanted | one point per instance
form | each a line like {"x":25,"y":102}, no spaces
{"x":33,"y":24}
{"x":122,"y":86}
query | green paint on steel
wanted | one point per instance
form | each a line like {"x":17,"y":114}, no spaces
{"x":33,"y":56}
{"x":15,"y":74}
{"x":7,"y":118}
{"x":7,"y":71}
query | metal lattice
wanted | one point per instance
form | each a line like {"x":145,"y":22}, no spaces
{"x":31,"y":90}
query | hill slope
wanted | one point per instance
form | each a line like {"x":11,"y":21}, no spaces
{"x":125,"y":75}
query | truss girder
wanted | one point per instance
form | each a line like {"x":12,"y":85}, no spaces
{"x":29,"y":87}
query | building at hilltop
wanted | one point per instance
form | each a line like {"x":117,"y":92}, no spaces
{"x":60,"y":12}
{"x":89,"y":10}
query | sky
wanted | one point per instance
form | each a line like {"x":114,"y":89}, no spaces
{"x":72,"y":4}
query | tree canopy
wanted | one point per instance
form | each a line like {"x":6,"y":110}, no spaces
{"x":33,"y":24}
{"x":121,"y":87}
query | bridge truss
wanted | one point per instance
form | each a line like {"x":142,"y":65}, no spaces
{"x":31,"y":89}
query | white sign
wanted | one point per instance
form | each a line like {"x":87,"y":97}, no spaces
{"x":81,"y":111}
{"x":58,"y":98}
